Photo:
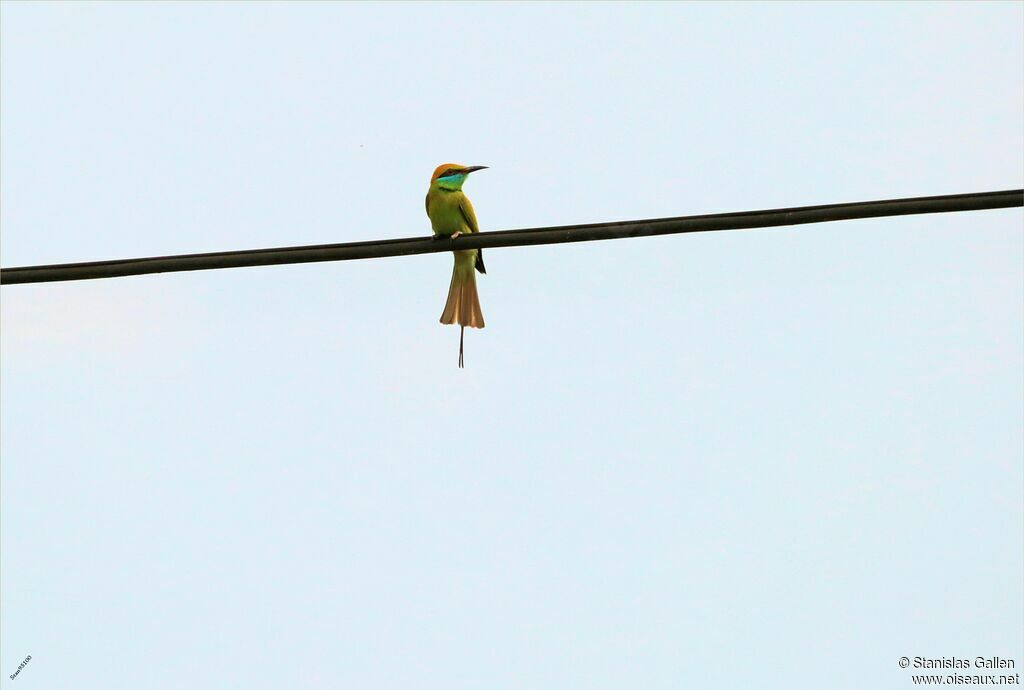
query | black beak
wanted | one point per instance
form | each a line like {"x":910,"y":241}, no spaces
{"x":473,"y":168}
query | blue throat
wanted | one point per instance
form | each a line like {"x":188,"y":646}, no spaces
{"x":452,"y":182}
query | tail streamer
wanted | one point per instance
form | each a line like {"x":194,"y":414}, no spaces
{"x":463,"y":306}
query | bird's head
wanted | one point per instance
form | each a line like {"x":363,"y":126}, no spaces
{"x":450,"y":176}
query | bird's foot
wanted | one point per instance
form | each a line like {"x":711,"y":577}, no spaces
{"x":455,"y":235}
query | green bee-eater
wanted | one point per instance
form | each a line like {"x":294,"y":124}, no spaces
{"x":452,"y":215}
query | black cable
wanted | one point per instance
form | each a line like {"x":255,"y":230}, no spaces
{"x":513,"y":238}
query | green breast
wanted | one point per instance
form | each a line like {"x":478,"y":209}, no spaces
{"x":445,"y":215}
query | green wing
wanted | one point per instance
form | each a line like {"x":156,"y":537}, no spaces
{"x":468,"y":214}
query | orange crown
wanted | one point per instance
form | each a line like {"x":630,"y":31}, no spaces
{"x":439,"y":170}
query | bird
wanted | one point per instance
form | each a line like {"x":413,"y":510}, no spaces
{"x":451,"y":214}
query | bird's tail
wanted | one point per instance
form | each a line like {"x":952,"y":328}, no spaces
{"x":463,"y":306}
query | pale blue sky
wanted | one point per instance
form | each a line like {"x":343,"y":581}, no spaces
{"x":769,"y":459}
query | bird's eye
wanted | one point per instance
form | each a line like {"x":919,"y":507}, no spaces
{"x":450,"y":172}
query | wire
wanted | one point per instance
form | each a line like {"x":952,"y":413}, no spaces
{"x":513,"y":238}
